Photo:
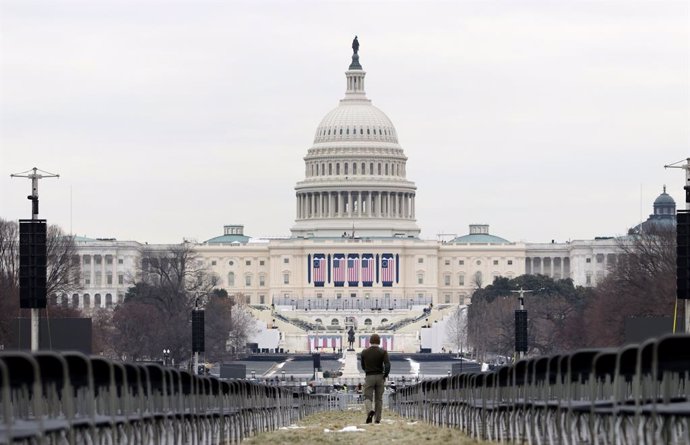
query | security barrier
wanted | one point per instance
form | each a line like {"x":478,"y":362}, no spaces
{"x":71,"y":398}
{"x":637,"y":394}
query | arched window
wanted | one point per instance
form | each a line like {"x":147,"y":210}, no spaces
{"x":346,"y":164}
{"x":337,"y":168}
{"x":371,"y":168}
{"x":367,"y":322}
{"x":318,"y":321}
{"x":330,"y":169}
{"x":97,"y":300}
{"x":87,"y":300}
{"x":354,"y":168}
{"x":386,"y":169}
{"x":341,"y":131}
{"x":361,"y":131}
{"x":335,"y":322}
{"x":231,"y":279}
{"x":323,"y":169}
{"x":379,"y":168}
{"x":108,"y":300}
{"x":364,"y":170}
{"x":65,"y":300}
{"x":384,"y":320}
{"x":75,"y":300}
{"x":368,"y":132}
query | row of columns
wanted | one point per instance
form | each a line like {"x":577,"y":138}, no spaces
{"x":554,"y":267}
{"x":354,"y":204}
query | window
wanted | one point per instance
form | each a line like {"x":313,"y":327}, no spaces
{"x":97,"y":259}
{"x":461,"y":262}
{"x":318,"y":321}
{"x":319,"y":295}
{"x":231,"y":263}
{"x":510,"y":262}
{"x":446,"y":280}
{"x":213,"y":263}
{"x":588,"y":279}
{"x":286,"y":278}
{"x":247,"y":280}
{"x":479,"y":263}
{"x":87,"y":300}
{"x":87,"y":281}
{"x":371,"y":165}
{"x":337,"y":168}
{"x":461,"y":280}
{"x":420,"y":260}
{"x":447,"y":262}
{"x":588,"y":260}
{"x":354,"y":169}
{"x":248,"y":299}
{"x":108,"y":300}
{"x":87,"y":259}
{"x":262,"y":262}
{"x":120,"y":279}
{"x":367,"y":322}
{"x":286,"y":260}
{"x":335,"y":322}
{"x":262,"y":280}
{"x":420,"y":278}
{"x":98,"y":281}
{"x":75,"y":300}
{"x":345,"y":167}
{"x":248,"y":263}
{"x":447,"y":298}
{"x":120,"y":261}
{"x":108,"y":259}
{"x":261,"y":299}
{"x":109,"y":278}
{"x":231,"y":279}
{"x":495,"y":262}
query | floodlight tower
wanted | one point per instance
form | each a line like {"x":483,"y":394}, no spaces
{"x":521,"y":323}
{"x":32,"y":266}
{"x":683,"y":246}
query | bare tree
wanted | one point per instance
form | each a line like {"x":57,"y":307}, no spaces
{"x":456,"y":329}
{"x":62,"y":273}
{"x":640,"y":284}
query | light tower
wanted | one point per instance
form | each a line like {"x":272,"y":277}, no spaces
{"x":32,"y":256}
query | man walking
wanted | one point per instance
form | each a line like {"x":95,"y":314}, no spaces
{"x":376,"y":366}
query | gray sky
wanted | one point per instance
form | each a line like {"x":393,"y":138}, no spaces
{"x":168,"y":119}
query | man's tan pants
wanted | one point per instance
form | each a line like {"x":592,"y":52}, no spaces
{"x":373,"y":386}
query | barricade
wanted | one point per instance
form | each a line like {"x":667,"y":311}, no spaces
{"x":48,"y":397}
{"x":637,"y":394}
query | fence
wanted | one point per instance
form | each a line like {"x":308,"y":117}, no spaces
{"x":71,"y":398}
{"x":349,"y":303}
{"x":637,"y":394}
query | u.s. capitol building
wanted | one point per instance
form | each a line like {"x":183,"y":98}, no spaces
{"x":354,"y":256}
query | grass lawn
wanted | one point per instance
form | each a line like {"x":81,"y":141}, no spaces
{"x":324,"y":428}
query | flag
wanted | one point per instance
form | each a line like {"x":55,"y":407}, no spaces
{"x":318,"y":270}
{"x":353,"y":271}
{"x":368,"y":270}
{"x":387,"y":270}
{"x":339,"y":270}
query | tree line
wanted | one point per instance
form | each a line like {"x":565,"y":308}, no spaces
{"x":563,"y":317}
{"x":156,"y":311}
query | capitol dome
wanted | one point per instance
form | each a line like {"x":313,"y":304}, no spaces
{"x":355,"y":181}
{"x":356,"y":122}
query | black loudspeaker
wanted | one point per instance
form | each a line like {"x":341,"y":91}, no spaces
{"x":197,"y":331}
{"x":520,"y":331}
{"x":32,"y":263}
{"x":317,"y":360}
{"x":683,"y":255}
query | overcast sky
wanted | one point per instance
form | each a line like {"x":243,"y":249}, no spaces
{"x":168,"y":119}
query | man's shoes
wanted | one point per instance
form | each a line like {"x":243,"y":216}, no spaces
{"x":377,"y":421}
{"x":370,"y":416}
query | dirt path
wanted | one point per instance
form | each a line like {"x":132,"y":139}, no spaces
{"x":327,"y":428}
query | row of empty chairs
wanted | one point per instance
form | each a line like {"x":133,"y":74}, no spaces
{"x":58,"y":398}
{"x":636,"y":394}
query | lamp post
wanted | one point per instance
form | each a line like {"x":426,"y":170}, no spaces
{"x":166,"y":355}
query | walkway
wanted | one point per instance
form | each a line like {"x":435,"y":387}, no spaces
{"x":350,"y":368}
{"x":348,"y":427}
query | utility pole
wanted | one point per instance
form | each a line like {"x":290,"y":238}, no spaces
{"x":521,"y":323}
{"x":34,"y":175}
{"x":686,"y":167}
